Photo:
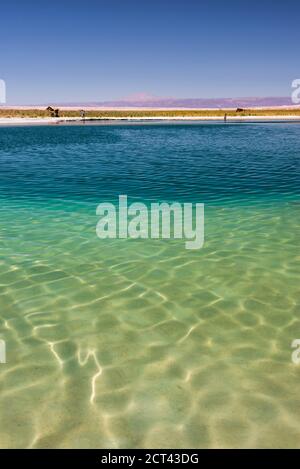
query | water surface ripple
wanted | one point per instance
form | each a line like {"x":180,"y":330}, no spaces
{"x":141,"y":343}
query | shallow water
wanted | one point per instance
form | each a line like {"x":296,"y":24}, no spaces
{"x":142,"y":343}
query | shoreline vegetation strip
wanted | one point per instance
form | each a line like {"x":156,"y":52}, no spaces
{"x":39,"y":113}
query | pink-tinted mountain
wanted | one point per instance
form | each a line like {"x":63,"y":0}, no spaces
{"x":147,"y":101}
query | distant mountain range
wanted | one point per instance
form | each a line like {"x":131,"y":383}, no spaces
{"x":142,"y":100}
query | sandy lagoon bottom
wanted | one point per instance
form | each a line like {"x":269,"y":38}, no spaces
{"x":129,"y":343}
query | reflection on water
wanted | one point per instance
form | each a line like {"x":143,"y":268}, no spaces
{"x":142,"y":343}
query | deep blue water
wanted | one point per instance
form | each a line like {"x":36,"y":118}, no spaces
{"x":211,"y":163}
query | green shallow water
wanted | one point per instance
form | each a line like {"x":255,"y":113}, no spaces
{"x":142,"y":343}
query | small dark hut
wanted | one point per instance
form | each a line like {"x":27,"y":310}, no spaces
{"x":53,"y":112}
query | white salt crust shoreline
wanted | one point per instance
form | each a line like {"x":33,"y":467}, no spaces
{"x":60,"y":120}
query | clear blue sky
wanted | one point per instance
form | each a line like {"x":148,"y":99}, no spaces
{"x":90,"y":50}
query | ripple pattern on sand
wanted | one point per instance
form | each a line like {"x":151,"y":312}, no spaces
{"x":145,"y":343}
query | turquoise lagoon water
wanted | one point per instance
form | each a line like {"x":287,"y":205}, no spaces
{"x":142,"y":343}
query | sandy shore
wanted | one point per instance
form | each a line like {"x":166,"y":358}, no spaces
{"x":52,"y":120}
